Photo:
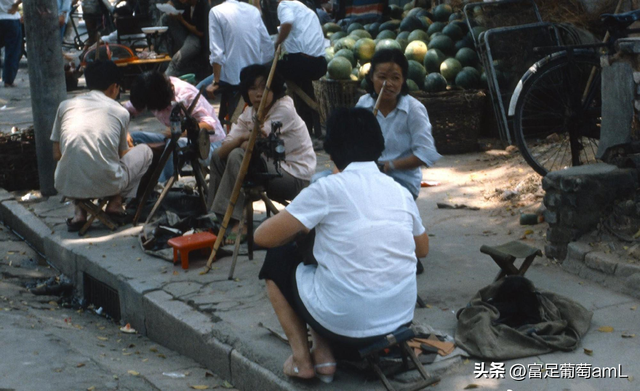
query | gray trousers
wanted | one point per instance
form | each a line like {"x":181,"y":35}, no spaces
{"x":184,"y":57}
{"x":223,"y":177}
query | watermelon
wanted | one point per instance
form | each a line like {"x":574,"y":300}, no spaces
{"x":483,"y":80}
{"x":455,"y":16}
{"x":329,"y":53}
{"x":426,"y":22}
{"x":449,"y":68}
{"x":344,"y":43}
{"x":416,"y":51}
{"x":467,"y":57}
{"x":364,"y":70}
{"x":476,"y":31}
{"x":357,"y":34}
{"x":364,"y":50}
{"x":348,"y":54}
{"x":432,"y":60}
{"x":388,"y":44}
{"x":473,"y":70}
{"x":434,"y":35}
{"x":363,"y":84}
{"x":454,"y":32}
{"x":390,"y":25}
{"x":403,"y":43}
{"x":416,"y":72}
{"x":330,"y":28}
{"x":410,"y":23}
{"x":386,"y":34}
{"x":412,"y":85}
{"x":418,"y":35}
{"x":465,"y":42}
{"x":336,"y":36}
{"x":353,"y":27}
{"x":408,"y":6}
{"x":435,"y":27}
{"x":442,"y":43}
{"x":442,"y":12}
{"x":463,"y":26}
{"x":418,"y":11}
{"x":403,"y":35}
{"x":373,"y":29}
{"x":468,"y":79}
{"x":435,"y":82}
{"x":339,"y":69}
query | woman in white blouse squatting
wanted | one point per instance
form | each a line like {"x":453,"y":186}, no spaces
{"x":408,"y":143}
{"x":300,"y":159}
{"x":360,"y":283}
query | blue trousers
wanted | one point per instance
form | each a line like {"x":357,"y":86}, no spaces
{"x":154,"y":137}
{"x":11,"y":32}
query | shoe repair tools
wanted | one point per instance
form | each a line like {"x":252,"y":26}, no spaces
{"x":245,"y":163}
{"x":197,"y":148}
{"x":375,"y":108}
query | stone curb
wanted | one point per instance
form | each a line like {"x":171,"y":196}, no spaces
{"x":154,"y":313}
{"x":602,"y":268}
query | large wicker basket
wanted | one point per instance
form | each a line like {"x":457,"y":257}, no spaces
{"x":456,"y":118}
{"x":331,"y":94}
{"x":18,"y":162}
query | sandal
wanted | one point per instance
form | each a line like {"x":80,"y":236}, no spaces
{"x":74,"y":227}
{"x":292,"y":371}
{"x":324,"y":377}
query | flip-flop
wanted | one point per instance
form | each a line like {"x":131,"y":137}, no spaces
{"x":231,"y":238}
{"x":74,"y":227}
{"x":292,"y":371}
{"x":322,"y":377}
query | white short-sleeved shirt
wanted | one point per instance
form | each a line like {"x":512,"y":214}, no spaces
{"x":365,"y":281}
{"x":237,"y":38}
{"x":406,"y":131}
{"x":306,"y":34}
{"x":91,"y":130}
{"x":5,"y":6}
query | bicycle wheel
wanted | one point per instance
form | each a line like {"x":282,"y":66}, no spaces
{"x":555,"y":127}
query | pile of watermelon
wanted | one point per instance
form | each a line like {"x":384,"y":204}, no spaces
{"x":437,"y":43}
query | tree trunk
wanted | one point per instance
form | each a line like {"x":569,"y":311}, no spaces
{"x":46,"y":79}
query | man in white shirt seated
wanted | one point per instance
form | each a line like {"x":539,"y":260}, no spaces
{"x":303,"y":41}
{"x":237,"y":38}
{"x":90,"y":144}
{"x":368,"y":230}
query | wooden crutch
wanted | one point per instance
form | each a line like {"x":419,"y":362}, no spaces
{"x":245,"y":164}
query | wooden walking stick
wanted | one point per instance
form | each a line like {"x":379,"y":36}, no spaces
{"x":245,"y":164}
{"x":375,"y":108}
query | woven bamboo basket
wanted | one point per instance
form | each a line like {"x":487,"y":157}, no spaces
{"x":331,"y":94}
{"x":18,"y":162}
{"x":456,"y":118}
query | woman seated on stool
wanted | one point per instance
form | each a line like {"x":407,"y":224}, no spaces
{"x":300,"y":163}
{"x":368,"y":233}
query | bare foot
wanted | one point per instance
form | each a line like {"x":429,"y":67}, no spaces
{"x":293,"y":369}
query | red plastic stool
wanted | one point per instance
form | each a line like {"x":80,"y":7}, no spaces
{"x":187,"y":243}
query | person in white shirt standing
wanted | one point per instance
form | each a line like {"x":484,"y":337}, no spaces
{"x":303,"y":41}
{"x":237,"y":38}
{"x":11,"y":32}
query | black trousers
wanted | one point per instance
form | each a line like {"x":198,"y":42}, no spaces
{"x":303,"y":70}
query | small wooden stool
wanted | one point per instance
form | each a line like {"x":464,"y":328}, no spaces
{"x":187,"y":243}
{"x":95,"y":212}
{"x":506,"y":254}
{"x":399,"y":337}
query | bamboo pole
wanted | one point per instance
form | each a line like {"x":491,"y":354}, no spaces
{"x":377,"y":105}
{"x":245,"y":164}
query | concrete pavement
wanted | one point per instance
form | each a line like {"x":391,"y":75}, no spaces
{"x":223,"y":324}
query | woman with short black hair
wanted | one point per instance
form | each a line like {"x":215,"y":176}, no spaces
{"x":403,"y":119}
{"x":300,"y":163}
{"x":361,"y":284}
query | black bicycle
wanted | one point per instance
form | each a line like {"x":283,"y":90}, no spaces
{"x":558,"y":101}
